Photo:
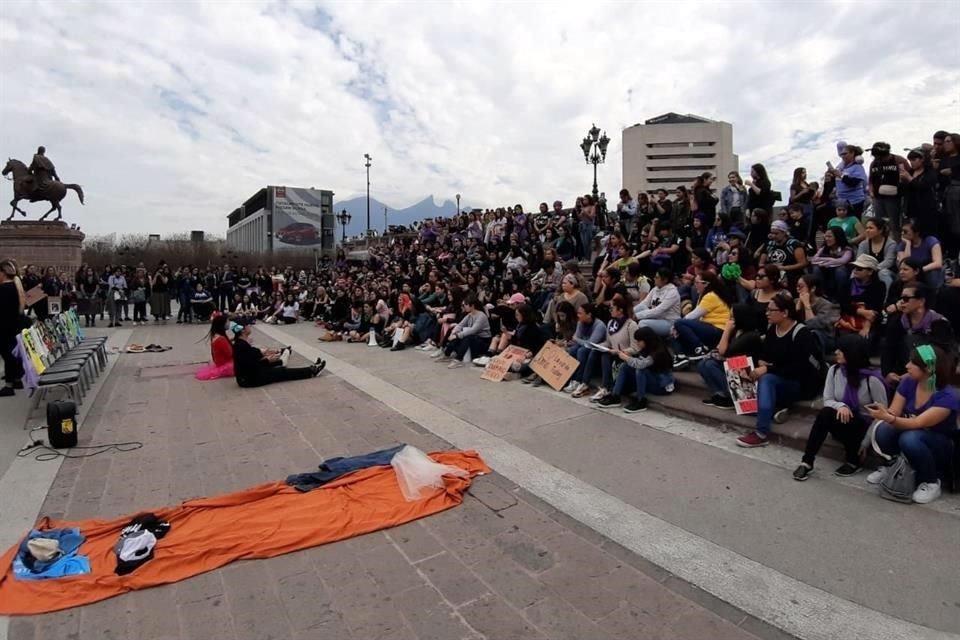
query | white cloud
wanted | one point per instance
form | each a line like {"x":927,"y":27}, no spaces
{"x":171,"y":117}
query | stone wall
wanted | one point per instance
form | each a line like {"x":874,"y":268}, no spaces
{"x":45,"y":244}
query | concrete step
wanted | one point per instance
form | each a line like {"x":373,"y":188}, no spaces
{"x":687,"y":402}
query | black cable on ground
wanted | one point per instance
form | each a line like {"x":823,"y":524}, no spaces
{"x":45,"y":453}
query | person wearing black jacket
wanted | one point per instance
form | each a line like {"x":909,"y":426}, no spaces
{"x":920,"y":192}
{"x":788,"y":369}
{"x":255,"y":368}
{"x":913,"y":324}
{"x":862,"y":302}
{"x":11,"y":323}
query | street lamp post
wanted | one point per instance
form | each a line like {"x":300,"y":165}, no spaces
{"x":458,"y":204}
{"x":344,"y":219}
{"x":384,"y":221}
{"x":367,"y":165}
{"x":594,"y":148}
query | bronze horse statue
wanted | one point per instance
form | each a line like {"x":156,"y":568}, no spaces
{"x":27,"y":187}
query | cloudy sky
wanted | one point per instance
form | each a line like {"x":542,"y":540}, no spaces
{"x":170,"y":114}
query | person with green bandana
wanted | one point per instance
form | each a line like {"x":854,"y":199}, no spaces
{"x":920,"y":421}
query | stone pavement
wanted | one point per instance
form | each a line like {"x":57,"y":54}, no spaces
{"x":502,"y":566}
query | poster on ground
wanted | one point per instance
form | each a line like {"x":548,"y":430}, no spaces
{"x":496,"y":369}
{"x":554,"y":365}
{"x":743,"y":390}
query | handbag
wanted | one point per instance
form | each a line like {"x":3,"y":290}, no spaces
{"x":901,"y":479}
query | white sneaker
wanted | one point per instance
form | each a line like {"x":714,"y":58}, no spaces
{"x":437,"y":353}
{"x":669,"y":388}
{"x":482,"y":361}
{"x":581,"y":390}
{"x":599,"y":395}
{"x":571,"y":386}
{"x":927,"y":492}
{"x":878,"y":476}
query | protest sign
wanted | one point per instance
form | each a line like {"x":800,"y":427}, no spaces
{"x":743,"y":390}
{"x":554,"y":365}
{"x":496,"y":369}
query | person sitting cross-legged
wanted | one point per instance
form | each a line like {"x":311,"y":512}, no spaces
{"x":471,"y":334}
{"x":850,"y":388}
{"x":920,"y":421}
{"x":255,"y":368}
{"x":649,"y":370}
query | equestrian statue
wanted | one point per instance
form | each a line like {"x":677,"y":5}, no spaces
{"x":38,"y":182}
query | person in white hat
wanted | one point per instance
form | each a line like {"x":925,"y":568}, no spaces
{"x":862,"y":302}
{"x":785,"y":252}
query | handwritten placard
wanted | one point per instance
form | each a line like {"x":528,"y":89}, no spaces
{"x":34,"y":296}
{"x":515,"y":353}
{"x":496,"y":369}
{"x":554,"y":365}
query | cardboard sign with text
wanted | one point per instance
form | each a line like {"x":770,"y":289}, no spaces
{"x":554,"y":365}
{"x":34,"y":296}
{"x":518,"y":354}
{"x":496,"y":369}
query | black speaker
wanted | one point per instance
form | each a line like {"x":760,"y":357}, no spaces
{"x":62,"y":424}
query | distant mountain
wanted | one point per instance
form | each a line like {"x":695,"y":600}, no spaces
{"x":357,"y":207}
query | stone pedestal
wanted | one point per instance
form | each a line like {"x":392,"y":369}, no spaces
{"x":45,"y":244}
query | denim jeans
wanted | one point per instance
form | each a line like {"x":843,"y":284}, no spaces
{"x":475,"y":344}
{"x":660,"y":327}
{"x":715,"y":377}
{"x":696,"y":333}
{"x":587,"y":358}
{"x":643,"y":380}
{"x":773,"y":391}
{"x":606,"y":368}
{"x":834,"y":279}
{"x":889,"y":210}
{"x":925,"y":450}
{"x":586,"y":239}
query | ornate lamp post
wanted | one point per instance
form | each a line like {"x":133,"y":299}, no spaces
{"x":367,"y":165}
{"x":594,"y":148}
{"x":344,"y":219}
{"x":458,"y":204}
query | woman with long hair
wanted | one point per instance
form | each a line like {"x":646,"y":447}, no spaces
{"x":920,"y":421}
{"x":760,"y":193}
{"x":620,"y":330}
{"x":830,"y":262}
{"x":787,"y":370}
{"x":877,"y":243}
{"x":221,"y":350}
{"x":648,"y":369}
{"x":927,"y":249}
{"x":852,"y":385}
{"x":12,"y":322}
{"x":700,"y":330}
{"x":733,"y":198}
{"x":703,"y":197}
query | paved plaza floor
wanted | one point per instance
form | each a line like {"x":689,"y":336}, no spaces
{"x":504,"y":565}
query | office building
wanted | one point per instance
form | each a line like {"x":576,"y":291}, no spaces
{"x":673,"y":149}
{"x":278,"y":219}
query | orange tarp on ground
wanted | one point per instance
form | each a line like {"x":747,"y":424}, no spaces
{"x":261,"y":522}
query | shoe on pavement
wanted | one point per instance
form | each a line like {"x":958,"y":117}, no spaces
{"x":927,"y":492}
{"x":752,"y":440}
{"x":482,"y":361}
{"x":699,"y":354}
{"x":781,"y":416}
{"x":636,"y":406}
{"x":436,"y":354}
{"x":455,"y":364}
{"x":802,"y":472}
{"x":571,"y":387}
{"x":609,"y":400}
{"x":599,"y":395}
{"x":669,"y":388}
{"x":878,"y":476}
{"x":680,"y":360}
{"x":722,"y":402}
{"x":847,"y":469}
{"x":582,"y":389}
{"x":530,"y":378}
{"x":6,"y":392}
{"x":537,"y":382}
{"x":398,"y":347}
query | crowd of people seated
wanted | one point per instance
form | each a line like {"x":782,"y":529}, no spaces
{"x":858,"y":268}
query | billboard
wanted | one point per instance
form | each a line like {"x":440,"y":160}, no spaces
{"x":298,"y":217}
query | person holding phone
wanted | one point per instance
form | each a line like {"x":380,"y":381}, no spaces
{"x":919,"y":421}
{"x":851,"y":386}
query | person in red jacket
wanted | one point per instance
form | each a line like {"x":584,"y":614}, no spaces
{"x":221,"y":351}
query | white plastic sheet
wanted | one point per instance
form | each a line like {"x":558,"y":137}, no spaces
{"x":418,"y":475}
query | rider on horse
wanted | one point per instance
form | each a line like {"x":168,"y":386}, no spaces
{"x":41,"y":170}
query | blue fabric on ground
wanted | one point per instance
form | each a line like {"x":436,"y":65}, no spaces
{"x":333,"y":468}
{"x":26,"y":567}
